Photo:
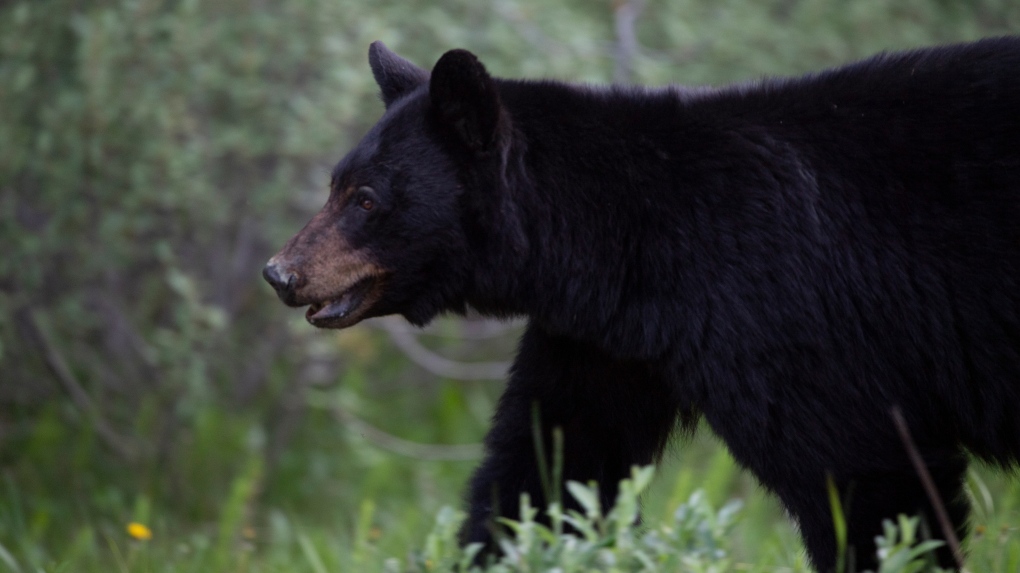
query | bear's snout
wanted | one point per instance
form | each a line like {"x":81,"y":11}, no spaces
{"x":282,"y":281}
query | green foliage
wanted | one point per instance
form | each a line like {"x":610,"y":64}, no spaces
{"x":696,"y":540}
{"x":156,"y":152}
{"x":901,"y":549}
{"x":838,"y":524}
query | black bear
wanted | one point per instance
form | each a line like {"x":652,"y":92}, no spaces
{"x":790,"y":259}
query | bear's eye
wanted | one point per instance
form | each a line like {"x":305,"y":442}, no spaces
{"x":365,"y":200}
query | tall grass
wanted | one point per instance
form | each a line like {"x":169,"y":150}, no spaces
{"x":74,"y":517}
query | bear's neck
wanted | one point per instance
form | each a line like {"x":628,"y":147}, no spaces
{"x":599,"y":183}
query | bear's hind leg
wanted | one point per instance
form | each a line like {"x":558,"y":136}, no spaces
{"x":871,"y":498}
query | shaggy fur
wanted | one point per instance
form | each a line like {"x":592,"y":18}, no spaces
{"x":789,"y":259}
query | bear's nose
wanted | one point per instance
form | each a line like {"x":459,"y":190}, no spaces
{"x":281,"y":280}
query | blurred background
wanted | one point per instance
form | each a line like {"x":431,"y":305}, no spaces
{"x":154,"y":153}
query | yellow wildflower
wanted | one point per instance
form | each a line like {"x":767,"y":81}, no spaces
{"x":139,"y":531}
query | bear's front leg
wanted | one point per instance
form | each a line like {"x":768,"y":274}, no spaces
{"x":613,"y":414}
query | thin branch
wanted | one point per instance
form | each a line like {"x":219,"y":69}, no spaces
{"x":470,"y":329}
{"x":436,"y":364}
{"x":127,"y":356}
{"x":416,"y":450}
{"x":625,"y":14}
{"x":534,"y":35}
{"x":929,"y":485}
{"x":484,"y":329}
{"x":79,"y":397}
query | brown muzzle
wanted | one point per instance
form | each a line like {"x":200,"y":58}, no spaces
{"x":319,"y":268}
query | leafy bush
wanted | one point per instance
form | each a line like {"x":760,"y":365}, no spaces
{"x":696,"y":540}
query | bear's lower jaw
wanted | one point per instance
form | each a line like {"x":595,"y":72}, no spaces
{"x":345,"y":310}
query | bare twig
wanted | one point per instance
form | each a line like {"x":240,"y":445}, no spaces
{"x":534,"y":35}
{"x":625,"y":14}
{"x":482,"y":329}
{"x":929,"y":485}
{"x":385,"y":440}
{"x":471,"y":329}
{"x":79,"y":397}
{"x":127,"y":357}
{"x":436,"y":364}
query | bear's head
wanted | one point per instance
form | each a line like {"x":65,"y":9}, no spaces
{"x":399,"y":233}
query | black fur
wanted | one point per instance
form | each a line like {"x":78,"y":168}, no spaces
{"x":789,"y":258}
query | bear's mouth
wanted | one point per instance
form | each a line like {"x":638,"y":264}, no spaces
{"x":344,"y":310}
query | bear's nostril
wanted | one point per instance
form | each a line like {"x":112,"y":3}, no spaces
{"x":282,"y":281}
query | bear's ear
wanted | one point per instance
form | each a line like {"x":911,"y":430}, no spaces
{"x":395,"y":75}
{"x":465,"y":98}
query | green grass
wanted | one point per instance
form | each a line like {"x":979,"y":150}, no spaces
{"x":231,"y":497}
{"x":355,"y":507}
